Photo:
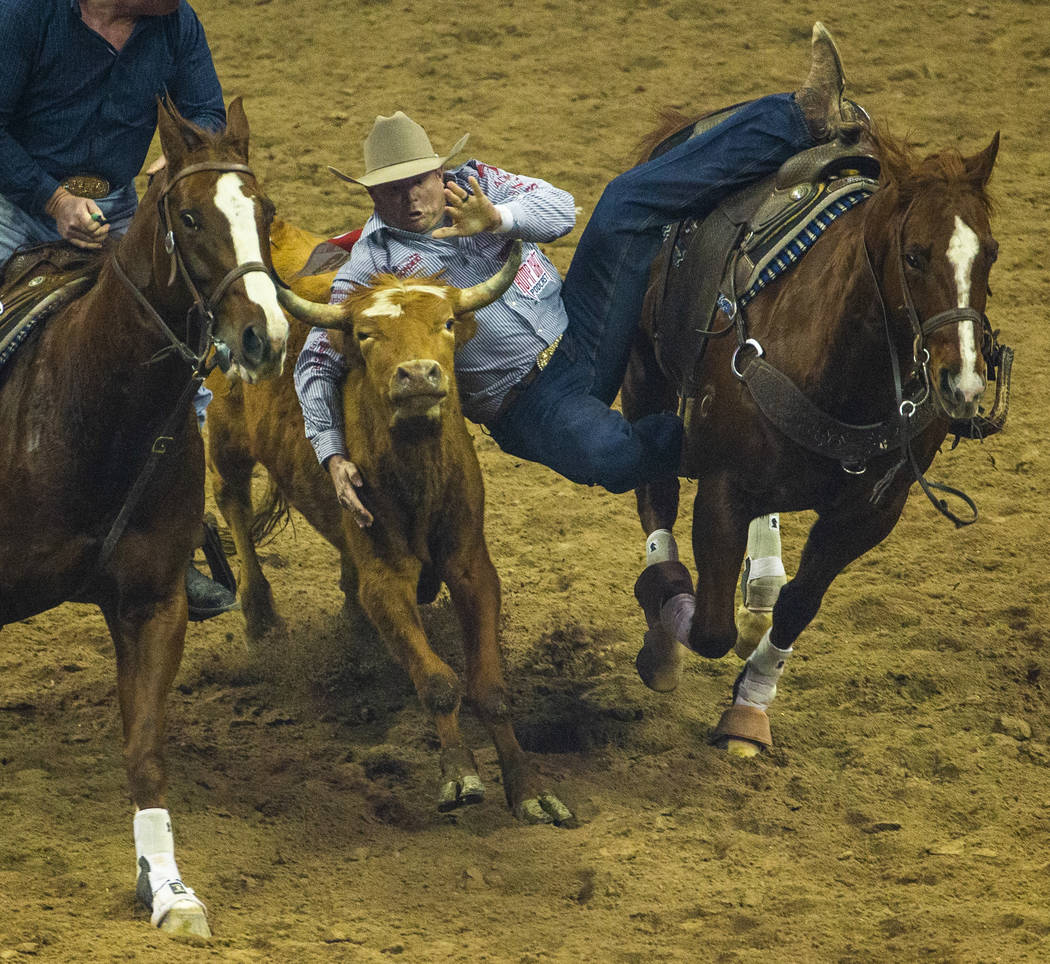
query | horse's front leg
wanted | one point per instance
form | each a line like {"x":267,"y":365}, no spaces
{"x":835,"y":540}
{"x":475,"y":590}
{"x":149,"y":640}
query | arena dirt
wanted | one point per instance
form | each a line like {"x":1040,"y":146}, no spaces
{"x":905,"y":811}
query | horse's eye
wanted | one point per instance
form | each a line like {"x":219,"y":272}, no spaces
{"x":913,"y":260}
{"x":993,"y":252}
{"x":188,"y":219}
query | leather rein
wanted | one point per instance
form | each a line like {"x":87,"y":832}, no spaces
{"x":783,"y":403}
{"x":198,"y":361}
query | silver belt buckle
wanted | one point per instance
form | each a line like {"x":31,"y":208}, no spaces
{"x":91,"y":186}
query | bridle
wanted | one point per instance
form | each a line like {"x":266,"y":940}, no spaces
{"x":199,"y":363}
{"x":906,"y":408}
{"x":203,"y":307}
{"x":853,"y":446}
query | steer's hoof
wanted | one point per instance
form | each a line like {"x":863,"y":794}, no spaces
{"x":750,"y":628}
{"x":460,"y":793}
{"x":743,"y":731}
{"x":186,"y":921}
{"x":545,"y":808}
{"x":659,"y":661}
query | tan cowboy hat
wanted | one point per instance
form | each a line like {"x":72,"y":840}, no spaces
{"x":396,"y":148}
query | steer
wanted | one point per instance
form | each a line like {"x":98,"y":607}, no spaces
{"x":423,"y":486}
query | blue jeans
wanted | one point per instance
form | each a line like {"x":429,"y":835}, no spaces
{"x":563,"y":419}
{"x":19,"y":227}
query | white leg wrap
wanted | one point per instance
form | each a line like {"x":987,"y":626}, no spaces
{"x":661,"y":547}
{"x":763,"y":669}
{"x":155,"y":859}
{"x":763,"y":537}
{"x":676,"y":615}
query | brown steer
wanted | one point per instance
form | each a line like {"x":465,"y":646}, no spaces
{"x":423,"y":485}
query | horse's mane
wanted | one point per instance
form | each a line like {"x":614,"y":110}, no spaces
{"x":910,"y":173}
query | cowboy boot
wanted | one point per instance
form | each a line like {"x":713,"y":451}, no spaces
{"x":820,"y":97}
{"x":205,"y":596}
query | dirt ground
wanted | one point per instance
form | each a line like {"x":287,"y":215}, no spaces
{"x":905,"y":811}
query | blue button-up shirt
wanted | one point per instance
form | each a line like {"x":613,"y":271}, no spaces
{"x":70,"y":103}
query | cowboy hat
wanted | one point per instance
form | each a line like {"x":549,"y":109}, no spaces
{"x":397,"y":147}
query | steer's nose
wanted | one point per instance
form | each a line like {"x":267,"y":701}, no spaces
{"x":419,"y":375}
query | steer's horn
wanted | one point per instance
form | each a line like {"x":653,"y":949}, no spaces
{"x":479,"y":295}
{"x":312,"y":313}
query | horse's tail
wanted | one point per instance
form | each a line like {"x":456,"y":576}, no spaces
{"x":671,"y":120}
{"x":272,"y":516}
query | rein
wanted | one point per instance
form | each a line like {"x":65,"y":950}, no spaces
{"x":199,"y":365}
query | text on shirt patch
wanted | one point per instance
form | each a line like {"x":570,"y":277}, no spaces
{"x":531,"y":278}
{"x":409,"y":265}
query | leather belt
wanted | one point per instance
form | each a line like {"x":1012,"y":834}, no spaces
{"x":514,"y":392}
{"x":93,"y":186}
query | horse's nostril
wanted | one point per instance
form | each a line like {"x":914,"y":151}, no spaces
{"x":254,"y":347}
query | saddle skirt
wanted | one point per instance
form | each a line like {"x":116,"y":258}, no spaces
{"x":744,"y":245}
{"x":36,"y":282}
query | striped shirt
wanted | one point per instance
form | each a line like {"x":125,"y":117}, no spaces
{"x":512,"y":331}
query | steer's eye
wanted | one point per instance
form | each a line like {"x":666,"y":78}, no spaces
{"x":450,"y":324}
{"x":188,"y":219}
{"x":362,"y":336}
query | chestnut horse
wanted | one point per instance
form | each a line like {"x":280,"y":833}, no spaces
{"x":877,"y":339}
{"x":101,"y":459}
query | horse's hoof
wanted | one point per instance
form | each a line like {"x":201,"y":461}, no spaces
{"x":659,"y":661}
{"x":463,"y":792}
{"x":186,"y":921}
{"x":743,"y":725}
{"x":750,"y":628}
{"x":545,"y":808}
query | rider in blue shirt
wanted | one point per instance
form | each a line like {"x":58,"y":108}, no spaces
{"x":79,"y":83}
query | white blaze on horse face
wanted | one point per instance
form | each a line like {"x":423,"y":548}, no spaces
{"x":240,"y":212}
{"x":963,"y":248}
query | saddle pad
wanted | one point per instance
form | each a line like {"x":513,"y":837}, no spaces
{"x":793,"y":251}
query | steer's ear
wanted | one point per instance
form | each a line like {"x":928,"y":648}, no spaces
{"x":345,"y":342}
{"x":466,"y":328}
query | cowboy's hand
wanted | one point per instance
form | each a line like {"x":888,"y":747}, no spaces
{"x":78,"y":220}
{"x":347,"y":480}
{"x":471,"y":213}
{"x":158,"y":165}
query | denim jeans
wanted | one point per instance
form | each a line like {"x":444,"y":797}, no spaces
{"x":18,"y":227}
{"x":563,"y":419}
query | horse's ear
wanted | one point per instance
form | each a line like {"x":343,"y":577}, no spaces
{"x":979,"y":167}
{"x":177,"y":136}
{"x":237,"y":127}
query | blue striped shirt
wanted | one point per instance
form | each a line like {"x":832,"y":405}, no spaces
{"x":72,"y":104}
{"x":512,"y":331}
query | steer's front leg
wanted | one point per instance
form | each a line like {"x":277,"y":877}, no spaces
{"x":387,"y":593}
